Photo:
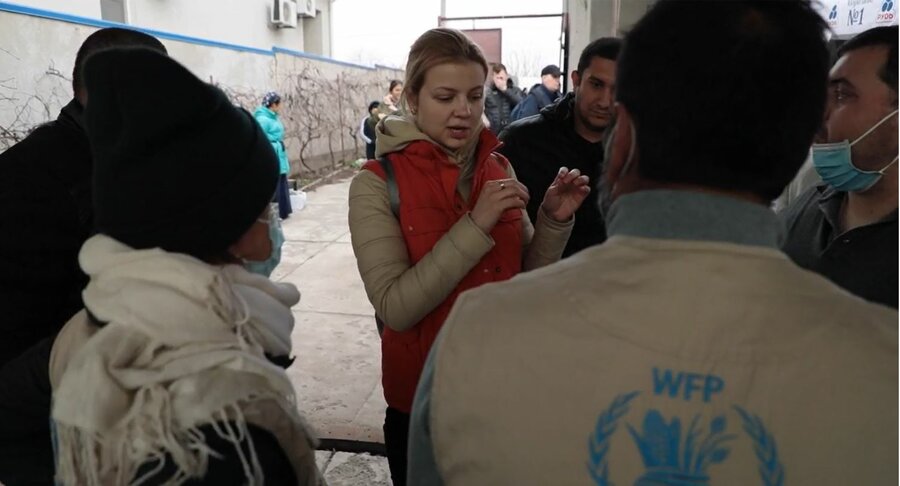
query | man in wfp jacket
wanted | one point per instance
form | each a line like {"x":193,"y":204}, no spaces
{"x":687,"y":349}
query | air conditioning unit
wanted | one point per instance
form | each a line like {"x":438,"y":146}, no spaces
{"x":307,"y":8}
{"x":284,"y":14}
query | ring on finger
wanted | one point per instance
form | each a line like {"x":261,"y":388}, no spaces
{"x":502,"y":185}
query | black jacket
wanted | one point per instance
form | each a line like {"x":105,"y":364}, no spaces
{"x":499,"y":104}
{"x":538,"y":146}
{"x":45,"y":217}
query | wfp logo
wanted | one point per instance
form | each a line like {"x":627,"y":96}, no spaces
{"x":677,"y":454}
{"x":678,"y":450}
{"x":673,"y":455}
{"x":887,"y":13}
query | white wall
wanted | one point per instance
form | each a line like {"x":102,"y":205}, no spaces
{"x":242,"y":22}
{"x":592,"y":19}
{"x":35,"y":82}
{"x":35,"y":77}
{"x":317,"y":31}
{"x":83,"y":8}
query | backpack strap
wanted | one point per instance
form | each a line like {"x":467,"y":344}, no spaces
{"x":394,"y":197}
{"x":391,"y":182}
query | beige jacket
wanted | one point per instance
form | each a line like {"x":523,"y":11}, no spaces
{"x":401,"y":293}
{"x":663,"y":361}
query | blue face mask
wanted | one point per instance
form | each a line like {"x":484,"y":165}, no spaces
{"x":834,"y":165}
{"x":276,"y":236}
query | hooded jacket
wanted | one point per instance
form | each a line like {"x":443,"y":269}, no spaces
{"x":274,"y":130}
{"x":413,"y":268}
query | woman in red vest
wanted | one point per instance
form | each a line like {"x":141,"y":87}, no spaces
{"x":442,"y":213}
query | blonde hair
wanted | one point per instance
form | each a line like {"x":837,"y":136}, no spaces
{"x":435,"y":47}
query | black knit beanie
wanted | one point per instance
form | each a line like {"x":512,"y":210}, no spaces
{"x":176,"y":165}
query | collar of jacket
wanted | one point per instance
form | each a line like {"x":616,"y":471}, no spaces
{"x":686,"y":215}
{"x":72,"y":115}
{"x":561,"y":109}
{"x":830,"y":202}
{"x":428,"y":150}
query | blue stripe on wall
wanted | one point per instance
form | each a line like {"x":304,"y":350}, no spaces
{"x":75,"y":19}
{"x":320,"y":58}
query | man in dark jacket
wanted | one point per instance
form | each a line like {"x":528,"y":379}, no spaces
{"x":569,"y":133}
{"x":501,"y":98}
{"x":45,"y":217}
{"x":541,"y":95}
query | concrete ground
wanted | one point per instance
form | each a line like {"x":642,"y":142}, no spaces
{"x":337,"y":373}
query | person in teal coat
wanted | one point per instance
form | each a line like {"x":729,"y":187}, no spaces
{"x":267,"y":117}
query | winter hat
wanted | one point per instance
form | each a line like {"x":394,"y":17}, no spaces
{"x":552,"y":70}
{"x":270,"y":99}
{"x":176,"y":165}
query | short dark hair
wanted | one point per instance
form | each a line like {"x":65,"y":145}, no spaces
{"x":498,"y":68}
{"x":604,"y":47}
{"x":726,"y":95}
{"x":394,"y":84}
{"x":106,"y":39}
{"x":879,"y":36}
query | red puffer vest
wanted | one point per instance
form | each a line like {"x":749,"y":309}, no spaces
{"x":429,"y":206}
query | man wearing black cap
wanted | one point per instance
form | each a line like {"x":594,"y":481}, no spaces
{"x":45,"y":216}
{"x":540,"y":95}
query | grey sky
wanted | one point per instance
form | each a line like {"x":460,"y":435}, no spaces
{"x":378,"y":31}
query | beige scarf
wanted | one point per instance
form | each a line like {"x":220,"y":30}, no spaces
{"x":183,"y":347}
